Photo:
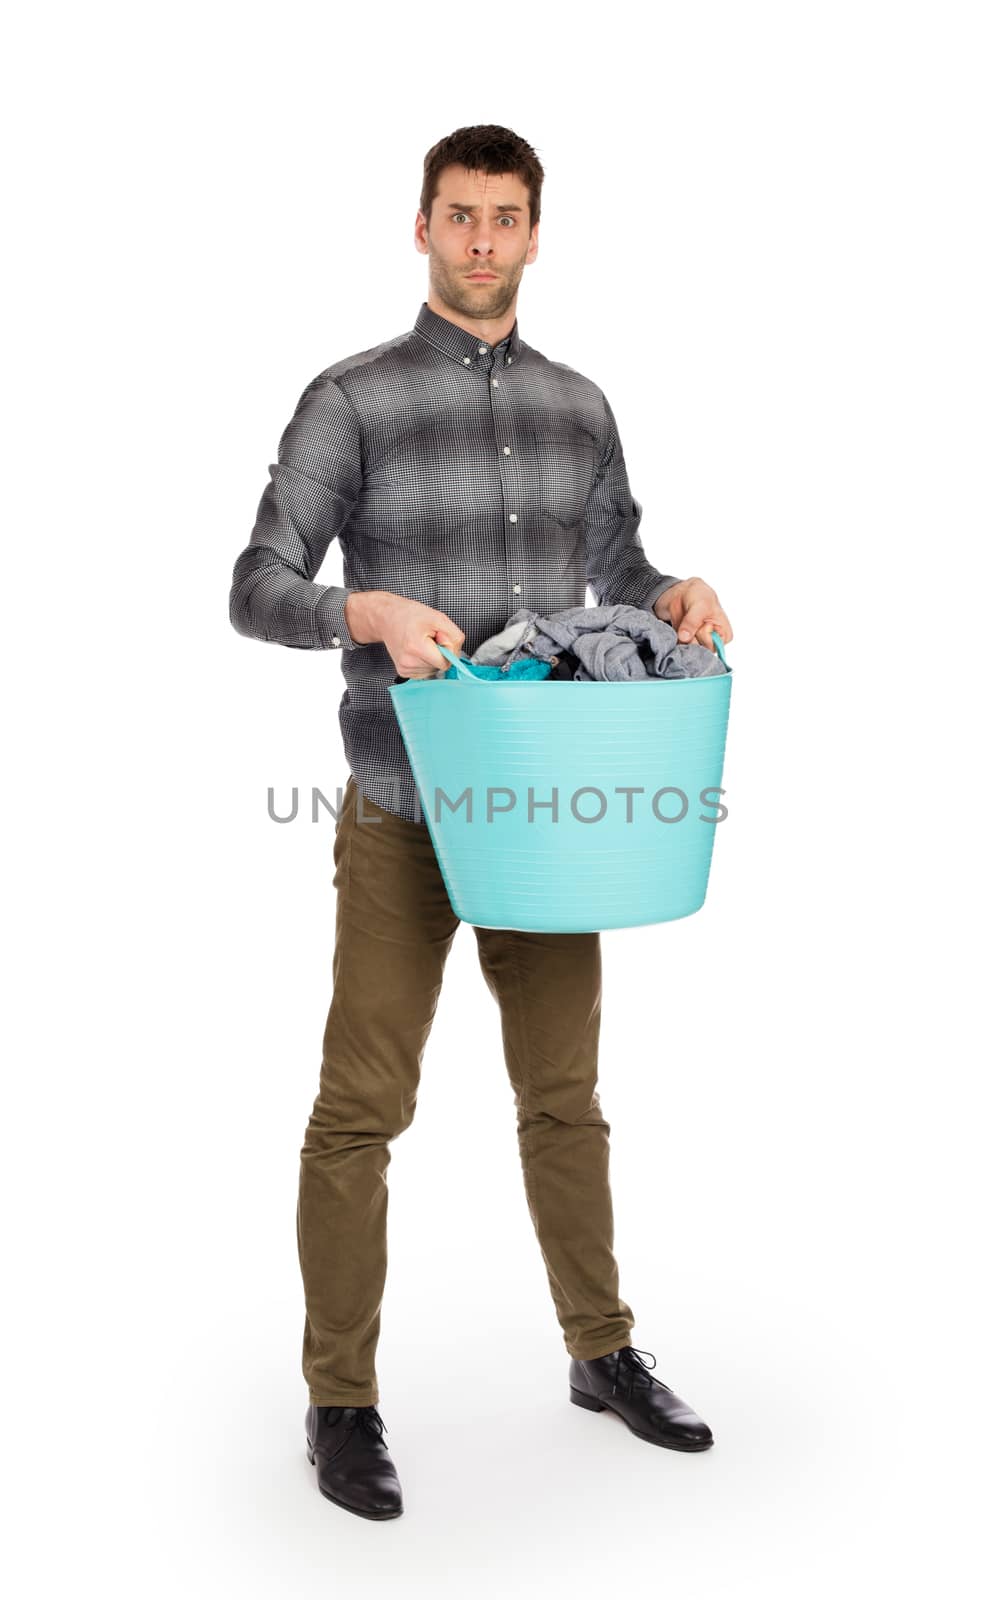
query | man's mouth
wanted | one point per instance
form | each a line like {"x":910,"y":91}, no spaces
{"x":482,"y":277}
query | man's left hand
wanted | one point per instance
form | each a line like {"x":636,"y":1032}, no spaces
{"x":692,"y":608}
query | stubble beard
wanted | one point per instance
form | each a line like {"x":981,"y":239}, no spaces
{"x":486,"y":302}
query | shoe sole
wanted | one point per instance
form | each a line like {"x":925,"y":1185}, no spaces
{"x":590,"y":1403}
{"x":379,"y":1515}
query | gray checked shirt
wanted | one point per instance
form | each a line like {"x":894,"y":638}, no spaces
{"x":475,"y":479}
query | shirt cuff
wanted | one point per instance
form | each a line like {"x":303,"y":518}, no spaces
{"x":659,"y":588}
{"x":331,"y":620}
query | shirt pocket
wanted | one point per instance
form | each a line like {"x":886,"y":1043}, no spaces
{"x":566,"y":466}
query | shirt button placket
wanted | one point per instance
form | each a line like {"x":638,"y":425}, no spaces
{"x":510,"y":553}
{"x":492,"y":360}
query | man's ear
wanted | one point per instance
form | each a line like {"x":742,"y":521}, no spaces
{"x":533,"y":245}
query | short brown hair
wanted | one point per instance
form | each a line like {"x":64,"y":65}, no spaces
{"x":486,"y":148}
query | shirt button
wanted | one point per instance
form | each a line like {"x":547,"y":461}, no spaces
{"x":517,"y":588}
{"x":509,"y":361}
{"x":481,"y":350}
{"x":466,"y":361}
{"x":335,"y":640}
{"x":512,"y":516}
{"x":507,"y":449}
{"x":494,"y":382}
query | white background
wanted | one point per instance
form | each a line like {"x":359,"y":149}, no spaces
{"x":763,"y":235}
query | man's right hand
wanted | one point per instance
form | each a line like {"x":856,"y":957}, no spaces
{"x":406,"y":628}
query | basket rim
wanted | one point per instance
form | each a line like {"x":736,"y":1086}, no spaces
{"x":529,"y":684}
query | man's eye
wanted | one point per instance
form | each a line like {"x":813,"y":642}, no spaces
{"x":463,"y":214}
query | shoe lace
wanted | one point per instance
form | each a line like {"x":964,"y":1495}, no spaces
{"x":366,"y":1417}
{"x":630,"y":1370}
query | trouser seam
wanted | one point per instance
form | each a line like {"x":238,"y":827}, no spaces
{"x":522,"y":1023}
{"x":528,"y":1166}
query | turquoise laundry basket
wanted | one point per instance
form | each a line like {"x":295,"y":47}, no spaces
{"x":490,"y":759}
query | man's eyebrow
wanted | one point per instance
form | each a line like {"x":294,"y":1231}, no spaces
{"x":457,"y":205}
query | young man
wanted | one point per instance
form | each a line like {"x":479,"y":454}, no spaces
{"x":465,"y":476}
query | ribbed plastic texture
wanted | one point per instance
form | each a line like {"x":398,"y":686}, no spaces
{"x":584,"y":867}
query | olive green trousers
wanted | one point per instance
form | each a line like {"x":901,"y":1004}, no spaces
{"x":394,"y":930}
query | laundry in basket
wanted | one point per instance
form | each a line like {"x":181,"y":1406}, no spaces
{"x":568,"y":807}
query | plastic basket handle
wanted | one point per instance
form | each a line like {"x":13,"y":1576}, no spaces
{"x":462,"y":670}
{"x":460,"y":663}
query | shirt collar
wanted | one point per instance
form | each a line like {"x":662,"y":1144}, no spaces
{"x":463,"y":347}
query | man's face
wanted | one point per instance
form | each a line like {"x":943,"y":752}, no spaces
{"x":479,"y":224}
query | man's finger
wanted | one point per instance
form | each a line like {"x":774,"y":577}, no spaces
{"x":705,"y":633}
{"x":695,"y":617}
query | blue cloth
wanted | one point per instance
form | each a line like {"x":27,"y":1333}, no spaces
{"x":524,"y":667}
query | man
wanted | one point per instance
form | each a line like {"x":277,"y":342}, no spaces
{"x":465,"y":476}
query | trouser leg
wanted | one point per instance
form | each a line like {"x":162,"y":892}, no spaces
{"x":394,"y":930}
{"x":548,"y":988}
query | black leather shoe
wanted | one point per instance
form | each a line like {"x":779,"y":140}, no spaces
{"x":353,"y":1465}
{"x":622,"y":1383}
